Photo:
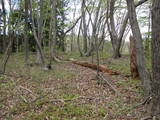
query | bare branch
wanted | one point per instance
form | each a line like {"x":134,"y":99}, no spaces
{"x":73,"y":25}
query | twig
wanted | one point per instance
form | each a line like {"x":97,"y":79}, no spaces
{"x":109,"y":84}
{"x":28,"y":91}
{"x":38,"y":98}
{"x":68,"y":100}
{"x":146,"y":101}
{"x":73,"y":25}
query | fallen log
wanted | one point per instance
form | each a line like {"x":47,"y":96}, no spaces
{"x":101,"y":68}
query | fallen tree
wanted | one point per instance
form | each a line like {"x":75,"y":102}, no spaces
{"x":101,"y":68}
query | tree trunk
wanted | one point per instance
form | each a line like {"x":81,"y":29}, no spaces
{"x":116,"y":38}
{"x":6,"y":56}
{"x":116,"y":53}
{"x":26,"y":43}
{"x":36,"y":37}
{"x":156,"y":58}
{"x":4,"y":25}
{"x":53,"y":31}
{"x":133,"y":63}
{"x":113,"y":33}
{"x":40,"y":31}
{"x":144,"y":75}
{"x":84,"y":27}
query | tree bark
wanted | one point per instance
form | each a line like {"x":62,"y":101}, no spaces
{"x":26,"y":43}
{"x":4,"y":25}
{"x":40,"y":21}
{"x":53,"y":32}
{"x":133,"y":63}
{"x":36,"y":37}
{"x":156,"y":59}
{"x":84,"y":27}
{"x":6,"y":56}
{"x":144,"y":75}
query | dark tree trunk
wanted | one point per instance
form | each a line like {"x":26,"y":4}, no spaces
{"x":116,"y":53}
{"x":4,"y":25}
{"x":6,"y":55}
{"x":156,"y":58}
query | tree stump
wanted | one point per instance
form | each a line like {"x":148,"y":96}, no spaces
{"x":133,"y":63}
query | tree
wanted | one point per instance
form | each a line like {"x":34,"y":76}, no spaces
{"x":155,"y":85}
{"x":115,"y":36}
{"x":4,"y":25}
{"x":37,"y":36}
{"x":92,"y":29}
{"x":144,"y":75}
{"x":9,"y":47}
{"x":84,"y":26}
{"x":53,"y":30}
{"x":26,"y":42}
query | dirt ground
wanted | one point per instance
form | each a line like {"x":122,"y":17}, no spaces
{"x":68,"y":92}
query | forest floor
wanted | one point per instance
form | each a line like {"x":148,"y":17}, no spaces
{"x":68,"y":92}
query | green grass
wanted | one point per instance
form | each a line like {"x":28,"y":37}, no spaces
{"x":122,"y":65}
{"x":103,"y":54}
{"x":66,"y":111}
{"x":74,"y":54}
{"x":41,"y":110}
{"x":118,"y":105}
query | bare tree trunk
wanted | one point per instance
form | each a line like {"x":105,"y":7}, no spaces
{"x":156,"y":59}
{"x":144,"y":75}
{"x":36,"y":37}
{"x":89,"y":41}
{"x":26,"y":44}
{"x":95,"y":30}
{"x":6,"y":56}
{"x":116,"y":39}
{"x":4,"y":25}
{"x":84,"y":27}
{"x":113,"y":33}
{"x":53,"y":31}
{"x":40,"y":31}
{"x":9,"y":47}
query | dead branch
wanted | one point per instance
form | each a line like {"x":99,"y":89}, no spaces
{"x":146,"y":101}
{"x":109,"y":84}
{"x":73,"y":25}
{"x":68,"y":100}
{"x":24,"y":88}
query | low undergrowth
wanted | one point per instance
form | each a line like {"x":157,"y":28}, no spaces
{"x":67,"y":92}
